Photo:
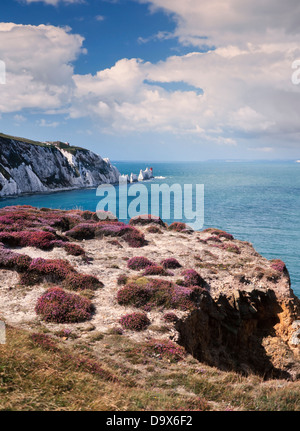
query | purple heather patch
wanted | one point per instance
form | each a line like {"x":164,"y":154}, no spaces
{"x":278,"y":265}
{"x":157,"y":270}
{"x":157,"y":293}
{"x":164,"y":350}
{"x":59,"y":306}
{"x":139,"y":262}
{"x":170,"y":263}
{"x":192,"y":278}
{"x":147,"y":219}
{"x":135,"y":321}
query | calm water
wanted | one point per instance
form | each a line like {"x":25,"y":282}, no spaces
{"x":256,"y":202}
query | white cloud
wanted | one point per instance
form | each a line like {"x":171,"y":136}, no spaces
{"x":245,"y":82}
{"x":120,"y":96}
{"x":232,"y":21}
{"x":38,"y":66}
{"x":246,"y":78}
{"x":100,"y":18}
{"x":44,"y":123}
{"x":244,"y":92}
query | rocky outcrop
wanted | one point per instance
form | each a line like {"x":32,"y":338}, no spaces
{"x":246,"y":332}
{"x":147,"y":174}
{"x":29,"y":167}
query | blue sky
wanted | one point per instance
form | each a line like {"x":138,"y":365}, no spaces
{"x":153,"y":79}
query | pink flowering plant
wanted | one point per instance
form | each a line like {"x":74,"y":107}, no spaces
{"x":57,"y":305}
{"x":278,"y":265}
{"x":164,"y":349}
{"x":157,"y":293}
{"x":79,"y":282}
{"x":135,"y":321}
{"x":192,"y":278}
{"x":156,"y":270}
{"x":170,"y":263}
{"x":139,"y":262}
{"x":219,"y":233}
{"x":147,"y":219}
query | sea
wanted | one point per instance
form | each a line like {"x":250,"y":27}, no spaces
{"x":255,"y":201}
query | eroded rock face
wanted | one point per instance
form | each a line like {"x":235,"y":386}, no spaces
{"x":29,"y":168}
{"x":246,"y":332}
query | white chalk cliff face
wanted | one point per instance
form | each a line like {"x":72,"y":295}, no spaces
{"x":33,"y":167}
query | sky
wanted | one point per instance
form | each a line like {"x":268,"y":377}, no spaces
{"x":157,"y":80}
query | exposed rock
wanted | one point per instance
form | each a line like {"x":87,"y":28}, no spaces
{"x":295,"y":337}
{"x":245,"y":332}
{"x":28,"y":167}
{"x":133,"y":178}
{"x":147,"y":174}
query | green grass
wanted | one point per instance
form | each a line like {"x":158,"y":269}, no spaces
{"x":62,"y":145}
{"x":28,"y":141}
{"x":37,"y":376}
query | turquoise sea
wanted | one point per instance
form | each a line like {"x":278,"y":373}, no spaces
{"x":257,"y":202}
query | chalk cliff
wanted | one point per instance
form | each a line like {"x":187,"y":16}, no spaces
{"x":29,"y":167}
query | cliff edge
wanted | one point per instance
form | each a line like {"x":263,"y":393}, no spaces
{"x":29,"y":167}
{"x":214,"y":295}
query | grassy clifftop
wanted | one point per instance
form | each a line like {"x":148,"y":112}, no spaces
{"x":71,"y":149}
{"x":41,"y":373}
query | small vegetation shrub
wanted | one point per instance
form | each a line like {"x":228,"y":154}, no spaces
{"x":22,"y":262}
{"x":139,"y":262}
{"x":219,"y":233}
{"x":53,"y":270}
{"x":135,"y":238}
{"x":192,"y":278}
{"x":135,"y":321}
{"x":157,"y":293}
{"x":278,"y":265}
{"x":213,"y":238}
{"x":75,"y":281}
{"x":74,"y":249}
{"x":154,"y":229}
{"x":59,"y":306}
{"x":82,"y":231}
{"x":39,"y":239}
{"x":177,"y":226}
{"x":146,"y":219}
{"x":164,"y":349}
{"x":156,"y":270}
{"x":170,"y":263}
